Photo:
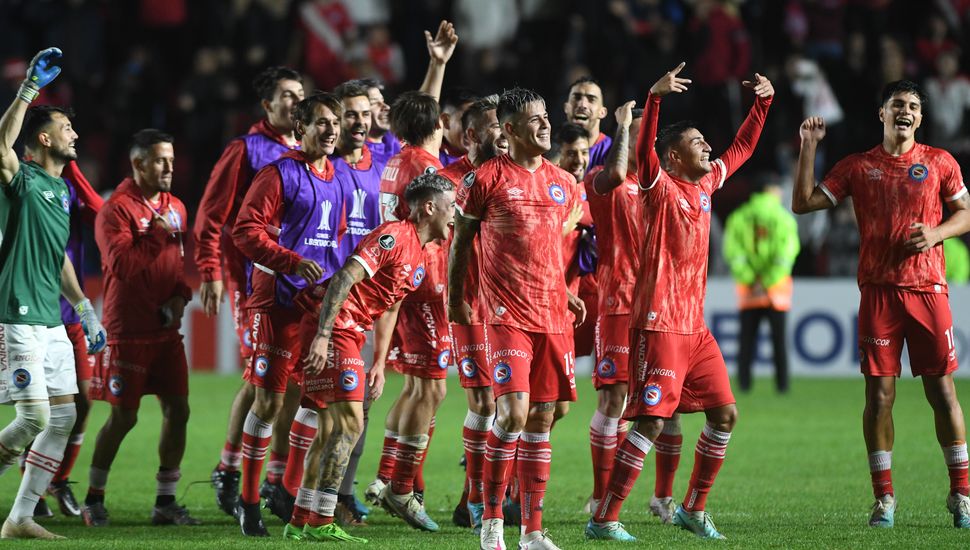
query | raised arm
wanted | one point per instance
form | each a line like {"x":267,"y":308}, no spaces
{"x":338,"y":289}
{"x":806,"y":196}
{"x":748,"y":134}
{"x":459,"y":311}
{"x":648,"y":163}
{"x":440,"y":49}
{"x":617,"y":162}
{"x":39,"y":74}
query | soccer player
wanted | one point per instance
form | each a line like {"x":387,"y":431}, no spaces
{"x":388,"y":264}
{"x":381,"y":140}
{"x":279,"y":90}
{"x":140,"y":233}
{"x":454,"y":103}
{"x":485,"y":141}
{"x":573,"y":142}
{"x":614,"y":203}
{"x":678,"y":365}
{"x":584,"y":107}
{"x":288,"y":225}
{"x":517,"y":205}
{"x":898,"y":190}
{"x":39,"y":377}
{"x":420,"y":346}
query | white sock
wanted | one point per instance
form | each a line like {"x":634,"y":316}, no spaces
{"x":43,"y":460}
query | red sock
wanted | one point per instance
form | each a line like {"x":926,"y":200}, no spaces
{"x":956,"y":463}
{"x":499,"y":457}
{"x":303,"y":507}
{"x":622,"y":429}
{"x":534,"y":460}
{"x":302,"y":432}
{"x":276,"y":467}
{"x":602,"y":446}
{"x":514,"y":479}
{"x":70,"y":457}
{"x":388,"y":456}
{"x":410,"y":450}
{"x":626,"y":469}
{"x":419,"y":477}
{"x":708,"y":458}
{"x":316,"y":520}
{"x":668,"y":458}
{"x":255,"y":441}
{"x":881,"y":471}
{"x":474,"y":434}
{"x":231,"y":458}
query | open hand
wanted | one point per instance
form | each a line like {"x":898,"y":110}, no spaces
{"x":316,"y":357}
{"x":578,"y":308}
{"x":441,"y":46}
{"x":210,"y":293}
{"x":762,"y":86}
{"x":624,"y":114}
{"x":309,"y":270}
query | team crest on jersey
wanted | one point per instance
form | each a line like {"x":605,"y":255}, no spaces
{"x":23,"y":310}
{"x":468,"y":366}
{"x":248,"y":338}
{"x":444,"y":358}
{"x":116,"y":386}
{"x":652,"y":395}
{"x":66,"y":202}
{"x":557,"y":193}
{"x":468,"y":180}
{"x":386,"y":241}
{"x":918,"y":172}
{"x":418,"y":276}
{"x":606,"y":368}
{"x":349,"y":380}
{"x":705,"y":202}
{"x":261,"y":365}
{"x":174,"y":219}
{"x":21,"y":378}
{"x":430,"y":170}
{"x":502,"y":373}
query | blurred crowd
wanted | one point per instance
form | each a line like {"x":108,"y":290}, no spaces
{"x":187,"y":66}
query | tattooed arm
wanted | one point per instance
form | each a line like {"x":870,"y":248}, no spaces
{"x":617,"y":162}
{"x":466,"y":228}
{"x":337,"y":290}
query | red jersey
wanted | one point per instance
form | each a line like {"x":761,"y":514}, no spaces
{"x":619,"y":232}
{"x":143,"y":265}
{"x":522,"y":214}
{"x":672,"y":279}
{"x":890,"y":193}
{"x":458,"y":173}
{"x":394,"y":260}
{"x":228,"y":183}
{"x":410,"y":163}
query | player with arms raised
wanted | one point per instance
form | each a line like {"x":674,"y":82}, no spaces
{"x":677,"y":364}
{"x":898,"y":190}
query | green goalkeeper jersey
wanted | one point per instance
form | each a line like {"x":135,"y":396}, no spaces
{"x":35,"y":220}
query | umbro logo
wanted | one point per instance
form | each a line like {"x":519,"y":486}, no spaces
{"x":515,"y":193}
{"x":874,"y":174}
{"x":684,"y":204}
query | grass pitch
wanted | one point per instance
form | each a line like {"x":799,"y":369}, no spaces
{"x":796,"y":476}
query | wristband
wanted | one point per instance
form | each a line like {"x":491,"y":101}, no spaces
{"x":28,"y":91}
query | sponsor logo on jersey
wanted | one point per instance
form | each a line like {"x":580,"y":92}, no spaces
{"x":326,"y":207}
{"x":468,"y":366}
{"x":557,"y":193}
{"x":349,"y":380}
{"x":652,"y":395}
{"x":386,"y":241}
{"x":881,"y":342}
{"x":684,"y":204}
{"x":444,"y":358}
{"x":21,"y":378}
{"x":502,"y":373}
{"x":705,"y":202}
{"x":23,"y":310}
{"x":430,"y":170}
{"x":606,"y":368}
{"x":469,"y":179}
{"x":116,"y":386}
{"x":418,"y":276}
{"x":662,"y":372}
{"x":918,"y":172}
{"x":48,"y":195}
{"x":515,"y":193}
{"x":261,"y":365}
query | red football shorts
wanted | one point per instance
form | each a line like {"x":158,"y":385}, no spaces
{"x":83,"y":363}
{"x":889,"y":316}
{"x":234,"y":284}
{"x":470,"y":343}
{"x":612,"y":351}
{"x":132,"y":369}
{"x":539,"y":364}
{"x":421,"y":345}
{"x":675,"y":373}
{"x":276,"y":348}
{"x":343,"y":378}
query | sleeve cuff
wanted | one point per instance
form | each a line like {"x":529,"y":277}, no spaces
{"x":828,"y":194}
{"x":364,"y":264}
{"x":653,"y":183}
{"x":959,"y":194}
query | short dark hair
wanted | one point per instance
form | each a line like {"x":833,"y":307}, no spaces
{"x":143,"y":140}
{"x":636,"y":113}
{"x":570,"y":133}
{"x":414,"y":117}
{"x":475,"y":114}
{"x":514,"y":101}
{"x":454,"y":98}
{"x":372,"y":83}
{"x":586,"y":80}
{"x":265,"y":82}
{"x":303,"y":111}
{"x":37,"y":118}
{"x":351,"y":88}
{"x":900,"y":86}
{"x":670,"y":135}
{"x":426,"y":186}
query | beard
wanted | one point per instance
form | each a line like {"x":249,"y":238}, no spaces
{"x":63,"y":154}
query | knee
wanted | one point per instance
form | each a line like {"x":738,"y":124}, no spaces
{"x":650,"y":427}
{"x":34,"y":416}
{"x":267,"y":405}
{"x":881,"y":401}
{"x":62,"y":418}
{"x":351,"y":422}
{"x":123,"y":419}
{"x":726,"y":418}
{"x":481,"y":402}
{"x":512,"y":420}
{"x":177,"y":413}
{"x":561,"y":410}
